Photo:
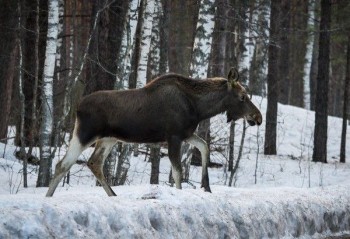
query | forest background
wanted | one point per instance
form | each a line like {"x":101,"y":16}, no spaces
{"x":54,"y":52}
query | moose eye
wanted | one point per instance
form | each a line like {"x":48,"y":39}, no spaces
{"x":242,"y":98}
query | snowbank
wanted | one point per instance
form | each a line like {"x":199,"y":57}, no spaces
{"x":163,"y":212}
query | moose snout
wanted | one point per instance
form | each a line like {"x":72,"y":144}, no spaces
{"x":255,"y":119}
{"x":258,"y":119}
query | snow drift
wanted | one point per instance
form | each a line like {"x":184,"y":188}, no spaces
{"x":163,"y":212}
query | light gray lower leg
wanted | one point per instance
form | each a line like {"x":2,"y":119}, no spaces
{"x":202,"y":146}
{"x":177,"y":176}
{"x":63,"y":166}
{"x":96,"y":161}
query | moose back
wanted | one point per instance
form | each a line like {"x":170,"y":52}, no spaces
{"x":168,"y":109}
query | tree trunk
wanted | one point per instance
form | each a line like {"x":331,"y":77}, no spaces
{"x":314,"y":59}
{"x":22,"y":151}
{"x":136,"y":55}
{"x":183,"y":16}
{"x":155,"y":161}
{"x":111,"y":18}
{"x":257,"y":77}
{"x":123,"y":164}
{"x":202,"y":41}
{"x":200,"y":64}
{"x":6,"y":87}
{"x":345,"y":106}
{"x":298,"y":42}
{"x":36,"y":78}
{"x":33,"y":66}
{"x":7,"y":61}
{"x":153,"y":69}
{"x":272,"y":81}
{"x":321,"y":114}
{"x":47,"y":96}
{"x":105,"y":44}
{"x":284,"y":62}
{"x":231,"y":145}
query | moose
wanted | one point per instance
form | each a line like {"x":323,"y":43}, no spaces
{"x":168,"y":109}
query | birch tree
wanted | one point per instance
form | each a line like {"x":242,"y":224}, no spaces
{"x":203,"y":39}
{"x":116,"y":170}
{"x":47,"y":95}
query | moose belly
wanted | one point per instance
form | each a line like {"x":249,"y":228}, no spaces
{"x":136,"y":133}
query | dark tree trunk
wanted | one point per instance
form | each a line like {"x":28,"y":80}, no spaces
{"x":345,"y":106}
{"x":298,"y":45}
{"x":182,"y":21}
{"x":284,"y":85}
{"x":314,"y":59}
{"x":155,"y":161}
{"x":105,"y":45}
{"x":340,"y":20}
{"x":156,"y":65}
{"x":183,"y":15}
{"x":321,"y":106}
{"x":8,"y":56}
{"x":8,"y":50}
{"x":257,"y":77}
{"x":30,"y":61}
{"x":272,"y":81}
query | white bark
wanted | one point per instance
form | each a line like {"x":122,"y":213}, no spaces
{"x":125,"y":54}
{"x":203,"y":39}
{"x":119,"y":170}
{"x":60,"y":30}
{"x":145,"y":43}
{"x":154,"y":52}
{"x":307,"y":67}
{"x":22,"y":101}
{"x":47,"y":94}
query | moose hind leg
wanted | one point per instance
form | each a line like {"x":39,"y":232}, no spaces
{"x":174,"y":147}
{"x":74,"y":150}
{"x":202,"y":146}
{"x":95,"y":163}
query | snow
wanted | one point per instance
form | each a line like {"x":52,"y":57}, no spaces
{"x":286,"y":196}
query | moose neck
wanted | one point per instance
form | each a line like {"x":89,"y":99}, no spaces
{"x":211,"y":104}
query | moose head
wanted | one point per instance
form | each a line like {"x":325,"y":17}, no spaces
{"x":238,"y":102}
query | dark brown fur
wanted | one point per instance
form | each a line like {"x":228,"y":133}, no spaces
{"x":168,"y":109}
{"x":171,"y":105}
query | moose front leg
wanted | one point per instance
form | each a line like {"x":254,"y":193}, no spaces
{"x":174,"y":147}
{"x":202,"y":146}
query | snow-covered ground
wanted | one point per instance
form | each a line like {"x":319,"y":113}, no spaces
{"x":283,"y":196}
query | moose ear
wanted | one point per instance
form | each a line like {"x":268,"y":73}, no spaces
{"x":233,"y":75}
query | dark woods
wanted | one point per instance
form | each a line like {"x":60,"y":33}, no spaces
{"x":291,"y":52}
